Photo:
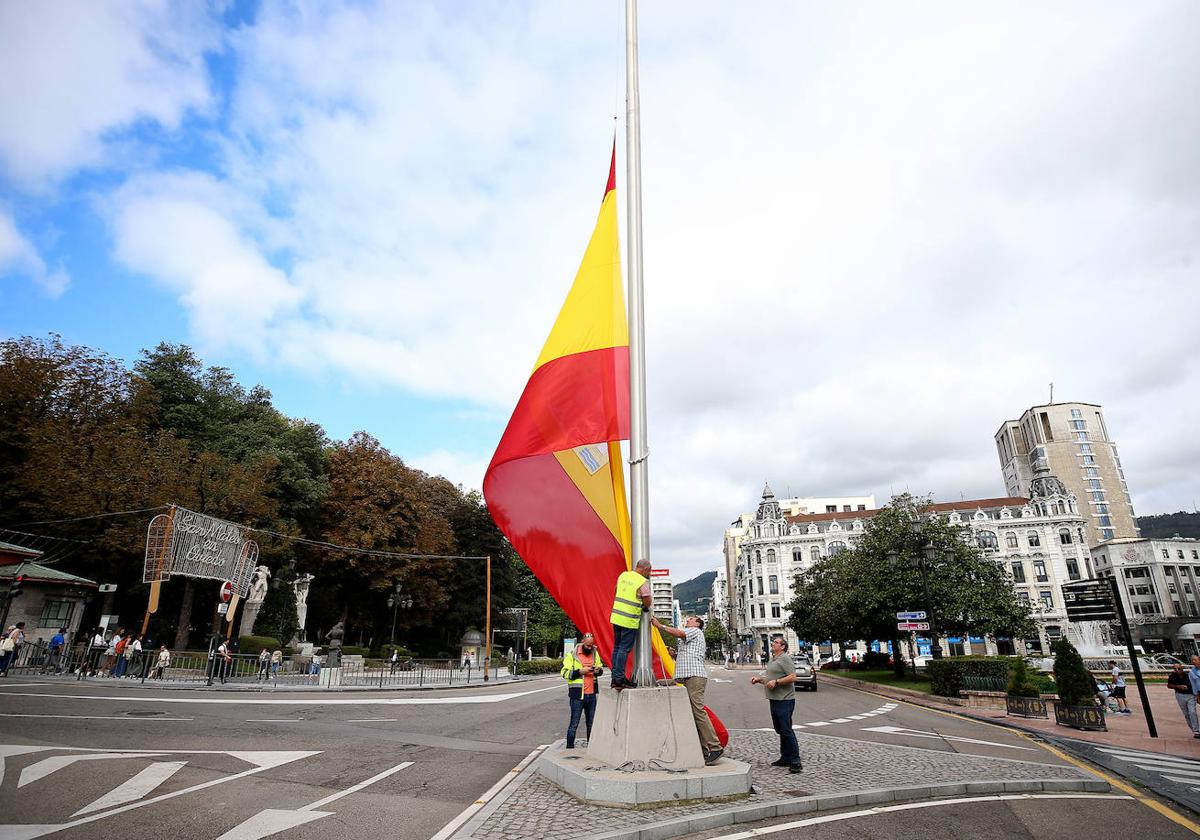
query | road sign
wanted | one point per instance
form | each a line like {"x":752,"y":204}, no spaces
{"x":916,"y":615}
{"x":1089,"y":600}
{"x":913,"y":625}
{"x":226,"y":591}
{"x":222,"y":609}
{"x":660,"y":573}
{"x":107,"y":587}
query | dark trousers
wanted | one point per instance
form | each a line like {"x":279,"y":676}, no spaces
{"x":581,"y":705}
{"x":624,"y":639}
{"x":781,"y":719}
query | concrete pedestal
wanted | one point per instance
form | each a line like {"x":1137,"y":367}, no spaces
{"x":651,"y":725}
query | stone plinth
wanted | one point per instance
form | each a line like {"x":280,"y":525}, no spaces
{"x":597,"y":783}
{"x":651,"y":724}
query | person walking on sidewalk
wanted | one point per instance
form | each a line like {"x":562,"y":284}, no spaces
{"x":1118,"y":689}
{"x":779,"y":681}
{"x":693,"y":675}
{"x":1179,"y":682}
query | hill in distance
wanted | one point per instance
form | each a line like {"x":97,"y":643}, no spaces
{"x":693,"y":595}
{"x":1166,"y":525}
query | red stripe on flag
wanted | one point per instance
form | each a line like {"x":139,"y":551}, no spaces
{"x":560,"y":538}
{"x":569,"y":401}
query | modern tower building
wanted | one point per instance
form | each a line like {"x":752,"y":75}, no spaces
{"x":1070,"y":441}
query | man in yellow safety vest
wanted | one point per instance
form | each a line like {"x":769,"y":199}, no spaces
{"x":632,"y":599}
{"x":580,"y":669}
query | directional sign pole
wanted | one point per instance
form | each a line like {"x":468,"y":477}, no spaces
{"x":1133,"y":660}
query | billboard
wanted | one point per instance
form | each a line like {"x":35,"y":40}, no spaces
{"x":192,"y":544}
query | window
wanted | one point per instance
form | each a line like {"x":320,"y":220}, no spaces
{"x":1195,"y":555}
{"x":836,"y":548}
{"x":1023,"y":597}
{"x":1105,"y":521}
{"x":846,"y":508}
{"x":831,"y":508}
{"x":1097,"y":496}
{"x":1106,"y":534}
{"x":1075,"y":412}
{"x":1088,"y":459}
{"x":815,"y":553}
{"x":752,"y":611}
{"x":1010,"y":540}
{"x":1073,"y":568}
{"x":1078,"y":424}
{"x":773,"y":581}
{"x":797,"y":555}
{"x":1100,"y":508}
{"x":986,"y":539}
{"x":1166,"y":554}
{"x":1137,"y":572}
{"x":1180,"y":553}
{"x":758,"y":558}
{"x":1047,"y":598}
{"x":770,"y":555}
{"x":1092,"y":472}
{"x":1064,"y":536}
{"x":1034,"y":540}
{"x":1085,"y":449}
{"x":1094,"y":484}
{"x":862,"y":507}
{"x":760,"y":586}
{"x":1039,"y":571}
{"x":55,"y":613}
{"x":1018,"y":571}
{"x":774,"y":611}
{"x":1081,"y":436}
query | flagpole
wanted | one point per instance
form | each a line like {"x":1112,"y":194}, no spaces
{"x":639,"y":497}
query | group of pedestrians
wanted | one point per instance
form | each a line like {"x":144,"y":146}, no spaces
{"x":123,"y":655}
{"x":1186,"y":685}
{"x":268,"y":664}
{"x":10,"y":646}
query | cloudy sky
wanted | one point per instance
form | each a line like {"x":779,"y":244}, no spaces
{"x":872,"y":231}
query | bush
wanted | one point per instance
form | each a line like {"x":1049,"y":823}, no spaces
{"x":946,"y":675}
{"x":539,"y":666}
{"x":1021,"y":681}
{"x":255,"y":644}
{"x":874,"y":659}
{"x":1076,"y":687}
{"x":351,"y":650}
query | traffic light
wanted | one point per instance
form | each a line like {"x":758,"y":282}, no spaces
{"x":14,"y":589}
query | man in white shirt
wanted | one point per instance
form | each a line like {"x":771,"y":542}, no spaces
{"x":691,"y":672}
{"x":1118,"y":689}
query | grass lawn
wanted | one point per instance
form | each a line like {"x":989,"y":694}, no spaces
{"x":888,"y":677}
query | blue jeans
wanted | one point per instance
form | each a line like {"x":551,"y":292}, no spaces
{"x":581,"y":705}
{"x":781,"y":719}
{"x":122,"y":664}
{"x":623,"y":641}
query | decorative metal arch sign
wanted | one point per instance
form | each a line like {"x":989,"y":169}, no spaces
{"x":192,"y":544}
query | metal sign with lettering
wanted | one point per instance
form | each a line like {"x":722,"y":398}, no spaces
{"x":192,"y":544}
{"x":1089,"y":600}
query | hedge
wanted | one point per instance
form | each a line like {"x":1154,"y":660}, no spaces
{"x":255,"y":644}
{"x":946,"y":675}
{"x":539,"y":666}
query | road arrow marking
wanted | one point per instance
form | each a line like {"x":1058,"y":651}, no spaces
{"x":137,"y":787}
{"x":915,"y":733}
{"x":12,"y":749}
{"x":46,"y":766}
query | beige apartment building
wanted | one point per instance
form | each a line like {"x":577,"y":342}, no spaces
{"x":1070,"y":441}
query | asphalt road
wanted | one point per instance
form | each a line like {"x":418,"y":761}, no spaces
{"x":103,"y":760}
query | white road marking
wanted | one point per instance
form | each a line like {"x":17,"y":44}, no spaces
{"x":818,"y":723}
{"x":373,"y":720}
{"x":14,"y":749}
{"x":913,"y":806}
{"x":275,"y":720}
{"x":135,"y":788}
{"x":916,"y":733}
{"x":94,"y":717}
{"x":274,"y":820}
{"x":301,"y":701}
{"x":46,"y":766}
{"x":882,"y":710}
{"x":449,"y":828}
{"x":1171,"y":767}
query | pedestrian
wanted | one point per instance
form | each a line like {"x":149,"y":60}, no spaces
{"x":224,"y":660}
{"x":580,"y":669}
{"x":631,"y":600}
{"x":95,"y":654}
{"x":1118,"y":689}
{"x":693,"y":675}
{"x":393,"y":662}
{"x":58,"y":645}
{"x":779,"y":681}
{"x":10,"y":646}
{"x":164,"y":662}
{"x":1179,"y":682}
{"x":276,"y":661}
{"x":264,"y":665}
{"x":133,"y":656}
{"x":118,"y":657}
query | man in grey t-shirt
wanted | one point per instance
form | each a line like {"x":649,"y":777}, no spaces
{"x":691,"y":672}
{"x":779,"y":680}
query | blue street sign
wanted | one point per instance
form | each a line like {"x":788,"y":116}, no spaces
{"x":917,"y":615}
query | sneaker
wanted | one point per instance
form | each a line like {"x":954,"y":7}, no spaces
{"x":796,"y":768}
{"x":779,"y":762}
{"x":1126,"y":712}
{"x":714,"y":756}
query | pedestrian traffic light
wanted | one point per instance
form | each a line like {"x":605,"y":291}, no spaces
{"x":14,"y":589}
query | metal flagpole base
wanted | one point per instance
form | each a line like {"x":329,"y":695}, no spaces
{"x":643,"y":657}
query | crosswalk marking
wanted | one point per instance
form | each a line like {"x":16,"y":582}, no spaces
{"x":1174,"y":768}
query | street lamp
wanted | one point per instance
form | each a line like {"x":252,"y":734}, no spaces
{"x":923,"y":554}
{"x":395,"y":602}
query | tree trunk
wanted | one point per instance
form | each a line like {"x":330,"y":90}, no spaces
{"x":897,"y":660}
{"x":185,"y":614}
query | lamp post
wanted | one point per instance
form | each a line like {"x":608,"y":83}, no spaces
{"x":922,"y":554}
{"x":396,"y":601}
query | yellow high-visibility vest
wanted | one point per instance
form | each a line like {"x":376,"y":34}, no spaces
{"x":627,"y":606}
{"x":571,"y":663}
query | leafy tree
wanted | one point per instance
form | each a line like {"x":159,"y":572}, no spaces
{"x":1074,"y":684}
{"x":715,"y":634}
{"x":856,"y":593}
{"x":1021,"y":682}
{"x":548,"y":624}
{"x":277,"y":615}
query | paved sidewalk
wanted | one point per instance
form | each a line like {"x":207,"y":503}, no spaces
{"x":533,"y":807}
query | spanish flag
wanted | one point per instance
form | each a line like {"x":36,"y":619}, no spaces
{"x":555,"y":486}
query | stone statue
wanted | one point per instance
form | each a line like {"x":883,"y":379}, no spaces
{"x":258,"y":585}
{"x":333,"y":655}
{"x":300,"y":587}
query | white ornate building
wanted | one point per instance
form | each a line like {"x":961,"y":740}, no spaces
{"x":1039,"y":541}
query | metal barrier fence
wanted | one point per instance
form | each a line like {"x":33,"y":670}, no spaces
{"x":82,"y":662}
{"x":976,"y":683}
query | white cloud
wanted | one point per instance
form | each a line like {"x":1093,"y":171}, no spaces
{"x":72,"y":73}
{"x":18,"y":256}
{"x":871,"y":235}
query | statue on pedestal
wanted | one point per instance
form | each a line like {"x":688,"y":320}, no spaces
{"x":254,"y":601}
{"x":300,"y":586}
{"x":333,"y":653}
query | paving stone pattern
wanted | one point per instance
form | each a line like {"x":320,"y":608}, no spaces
{"x":831,"y":765}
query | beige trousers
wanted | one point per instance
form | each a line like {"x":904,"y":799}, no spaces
{"x":708,"y":736}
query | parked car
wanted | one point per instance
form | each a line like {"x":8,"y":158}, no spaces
{"x":922,"y":661}
{"x":806,"y":674}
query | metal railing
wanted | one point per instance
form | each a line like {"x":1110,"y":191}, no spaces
{"x":976,"y":683}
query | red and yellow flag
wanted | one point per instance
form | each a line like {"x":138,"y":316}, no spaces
{"x":555,"y":486}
